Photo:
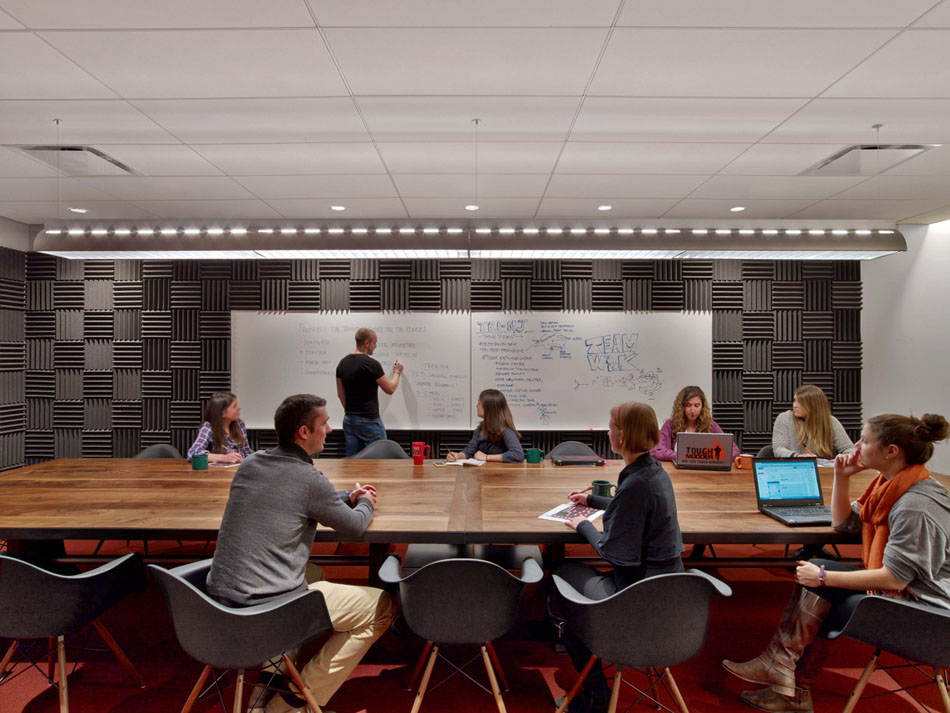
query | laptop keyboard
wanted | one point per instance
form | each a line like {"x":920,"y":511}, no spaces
{"x":802,"y":511}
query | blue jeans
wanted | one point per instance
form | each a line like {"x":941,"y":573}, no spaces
{"x":359,"y":432}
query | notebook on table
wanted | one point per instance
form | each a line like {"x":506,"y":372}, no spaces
{"x":788,"y":489}
{"x":704,"y":451}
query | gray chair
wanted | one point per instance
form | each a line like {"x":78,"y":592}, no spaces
{"x":460,"y":601}
{"x":226,"y":637}
{"x":160,"y":450}
{"x":37,"y":604}
{"x":911,"y":630}
{"x":382,"y":450}
{"x":572,"y":448}
{"x":765,"y":452}
{"x":651,"y":625}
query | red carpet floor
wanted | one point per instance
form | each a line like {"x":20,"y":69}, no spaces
{"x":537,"y":674}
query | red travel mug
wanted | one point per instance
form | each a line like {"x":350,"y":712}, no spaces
{"x":420,"y":451}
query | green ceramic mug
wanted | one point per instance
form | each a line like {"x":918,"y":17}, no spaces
{"x":534,"y":455}
{"x":199,"y":461}
{"x":601,"y":488}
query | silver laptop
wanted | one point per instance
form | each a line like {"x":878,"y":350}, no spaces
{"x":704,"y":451}
{"x":789,"y":490}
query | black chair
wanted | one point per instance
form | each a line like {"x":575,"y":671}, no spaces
{"x":915,"y":632}
{"x":37,"y":604}
{"x":572,"y":448}
{"x":653,"y":624}
{"x":238,"y":638}
{"x":765,"y":452}
{"x":160,"y":450}
{"x":382,"y":450}
{"x":460,"y":601}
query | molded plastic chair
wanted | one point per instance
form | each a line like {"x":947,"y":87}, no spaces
{"x":238,"y":637}
{"x":916,"y":632}
{"x":382,"y":450}
{"x":653,"y":624}
{"x":765,"y":452}
{"x":160,"y":450}
{"x":572,"y":448}
{"x":460,"y":601}
{"x":37,"y":604}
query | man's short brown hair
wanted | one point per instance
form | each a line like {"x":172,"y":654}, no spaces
{"x":637,"y":422}
{"x":295,"y":411}
{"x":364,"y":334}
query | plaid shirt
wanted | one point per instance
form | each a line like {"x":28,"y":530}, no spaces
{"x":203,"y":442}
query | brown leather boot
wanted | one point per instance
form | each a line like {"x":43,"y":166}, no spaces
{"x":768,"y":699}
{"x":776,"y":665}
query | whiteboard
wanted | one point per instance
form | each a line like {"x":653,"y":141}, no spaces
{"x":276,"y":354}
{"x":565,"y":371}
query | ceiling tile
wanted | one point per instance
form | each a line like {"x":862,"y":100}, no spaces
{"x":931,"y":216}
{"x":356,"y":208}
{"x":7,"y":22}
{"x":459,"y":157}
{"x":488,"y":208}
{"x":938,"y":17}
{"x":587,"y":208}
{"x":237,"y":121}
{"x":935,"y":161}
{"x":91,"y":14}
{"x":850,"y":121}
{"x":462,"y":62}
{"x":485,"y":13}
{"x":675,"y":119}
{"x":14,"y":165}
{"x":778,"y":187}
{"x":773,"y":13}
{"x":286,"y":159}
{"x":50,"y":75}
{"x":205,"y":63}
{"x":895,"y":210}
{"x":84,"y":122}
{"x":915,"y":64}
{"x":891,"y":186}
{"x":616,"y":185}
{"x":157,"y":160}
{"x":729,"y":63}
{"x":720,"y":209}
{"x":169,"y":188}
{"x":209,"y":209}
{"x":47,"y":189}
{"x":462,"y":185}
{"x":659,"y":158}
{"x":43,"y":211}
{"x":780,"y":159}
{"x":450,"y":118}
{"x":377,"y":185}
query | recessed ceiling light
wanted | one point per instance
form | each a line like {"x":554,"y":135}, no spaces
{"x":737,"y":209}
{"x":816,"y":232}
{"x":215,"y":231}
{"x":454,"y":231}
{"x":699,"y":231}
{"x":483,"y":231}
{"x":648,"y":231}
{"x":99,"y":231}
{"x":746,"y":231}
{"x":723,"y":231}
{"x":407,"y":231}
{"x":76,"y":231}
{"x":625,"y":231}
{"x":192,"y":231}
{"x":506,"y":231}
{"x":769,"y":231}
{"x":238,"y":231}
{"x":335,"y":231}
{"x":670,"y":231}
{"x":604,"y":207}
{"x":169,"y":231}
{"x":579,"y":231}
{"x":358,"y":231}
{"x":430,"y":231}
{"x":79,"y":210}
{"x":337,"y":207}
{"x":839,"y":232}
{"x":265,"y":231}
{"x":288,"y":231}
{"x":862,"y":232}
{"x":53,"y":232}
{"x":529,"y":231}
{"x":121,"y":231}
{"x":793,"y":231}
{"x":471,"y":207}
{"x":602,"y":231}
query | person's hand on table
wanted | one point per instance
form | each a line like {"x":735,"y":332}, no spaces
{"x":575,"y":521}
{"x":806,"y":574}
{"x":233,"y":457}
{"x":479,"y":455}
{"x":455,"y":455}
{"x":363,"y":491}
{"x":578,"y":497}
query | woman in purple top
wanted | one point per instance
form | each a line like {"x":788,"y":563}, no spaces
{"x":691,"y":414}
{"x":222,"y":435}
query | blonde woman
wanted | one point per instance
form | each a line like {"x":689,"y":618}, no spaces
{"x":809,"y":429}
{"x":691,"y":414}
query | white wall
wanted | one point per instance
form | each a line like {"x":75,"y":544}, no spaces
{"x":905,"y":327}
{"x":14,"y":235}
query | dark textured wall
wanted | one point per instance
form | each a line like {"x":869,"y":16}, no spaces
{"x":102,"y":358}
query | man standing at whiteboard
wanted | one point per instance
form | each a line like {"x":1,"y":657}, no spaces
{"x":357,"y":377}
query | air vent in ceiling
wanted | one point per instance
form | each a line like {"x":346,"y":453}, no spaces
{"x":866,"y":159}
{"x":78,"y":160}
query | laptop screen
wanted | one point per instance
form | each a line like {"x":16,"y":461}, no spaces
{"x":793,"y":479}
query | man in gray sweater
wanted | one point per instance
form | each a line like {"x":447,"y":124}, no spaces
{"x":276,"y":500}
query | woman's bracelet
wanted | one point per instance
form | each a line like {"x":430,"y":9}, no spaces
{"x":821,"y":576}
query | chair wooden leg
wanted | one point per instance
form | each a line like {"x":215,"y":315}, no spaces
{"x":419,"y":664}
{"x":680,"y":701}
{"x":942,"y":687}
{"x":615,"y":691}
{"x":119,"y":653}
{"x":862,"y":682}
{"x":497,"y":664}
{"x":493,"y":681}
{"x":193,"y":696}
{"x":239,"y":691}
{"x":51,"y":659}
{"x":577,"y":684}
{"x":420,"y":694}
{"x":63,"y":687}
{"x":301,"y":686}
{"x":7,"y":657}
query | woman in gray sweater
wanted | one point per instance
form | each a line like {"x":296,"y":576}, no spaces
{"x":809,"y":429}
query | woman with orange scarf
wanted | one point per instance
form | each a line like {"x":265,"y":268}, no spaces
{"x":904,"y":520}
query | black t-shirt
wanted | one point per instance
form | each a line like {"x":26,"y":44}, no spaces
{"x":359,"y":372}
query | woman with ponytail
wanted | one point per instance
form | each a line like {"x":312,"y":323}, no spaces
{"x":904,"y":520}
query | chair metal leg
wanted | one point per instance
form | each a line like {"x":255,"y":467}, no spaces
{"x":577,"y":684}
{"x":63,"y":687}
{"x":417,"y":703}
{"x":239,"y":691}
{"x":493,"y":681}
{"x":680,"y":701}
{"x":497,"y":664}
{"x":193,"y":696}
{"x":862,"y":682}
{"x":418,"y":669}
{"x":304,"y":689}
{"x":119,"y":653}
{"x":615,"y":691}
{"x":942,"y":687}
{"x":7,"y":657}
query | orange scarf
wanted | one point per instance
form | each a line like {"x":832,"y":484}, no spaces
{"x":875,"y":505}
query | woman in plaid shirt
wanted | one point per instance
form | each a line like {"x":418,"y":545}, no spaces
{"x":222,"y":435}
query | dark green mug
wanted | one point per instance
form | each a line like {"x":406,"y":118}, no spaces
{"x":199,"y":461}
{"x":534,"y":455}
{"x":601,"y":488}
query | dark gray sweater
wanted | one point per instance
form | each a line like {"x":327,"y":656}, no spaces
{"x":277,"y":498}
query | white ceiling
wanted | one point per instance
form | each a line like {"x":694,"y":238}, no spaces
{"x":271,"y":109}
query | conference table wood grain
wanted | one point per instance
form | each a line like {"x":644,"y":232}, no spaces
{"x":93,"y":498}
